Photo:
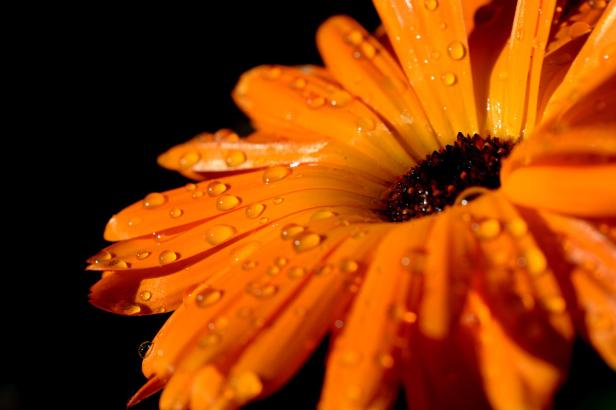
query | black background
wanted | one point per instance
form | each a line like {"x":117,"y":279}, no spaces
{"x":107,"y":89}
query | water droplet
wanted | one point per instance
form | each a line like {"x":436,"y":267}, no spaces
{"x":102,"y":256}
{"x":597,"y":4}
{"x":555,"y":304}
{"x":154,"y":200}
{"x":291,"y":231}
{"x":261,"y":290}
{"x":355,"y":37}
{"x":241,"y":253}
{"x":248,"y":265}
{"x":273,"y":73}
{"x":278,"y":200}
{"x":456,"y":50}
{"x":235,"y":158}
{"x":216,"y":188}
{"x":264,"y":220}
{"x":219,"y":234}
{"x":578,"y":29}
{"x":338,"y":324}
{"x":227,"y":202}
{"x":296,"y":272}
{"x":398,"y":312}
{"x":119,"y":264}
{"x":275,"y":174}
{"x":350,"y":357}
{"x":209,"y":340}
{"x":145,"y":295}
{"x":208,"y":297}
{"x":176,"y":212}
{"x":385,"y":360}
{"x":431,"y":4}
{"x":315,"y":101}
{"x":142,"y":254}
{"x":280,"y":261}
{"x":167,"y":257}
{"x":131,"y":310}
{"x":189,"y":159}
{"x":299,"y":83}
{"x":448,"y":78}
{"x":255,"y":210}
{"x":324,"y":270}
{"x":273,"y":270}
{"x":517,"y":227}
{"x":246,"y":386}
{"x":365,"y":124}
{"x":488,"y":229}
{"x":190,"y":187}
{"x":306,"y":242}
{"x":197,"y":194}
{"x":144,"y":349}
{"x":367,"y":50}
{"x":349,"y":266}
{"x":340,"y":98}
{"x":535,"y":261}
{"x":322,"y":214}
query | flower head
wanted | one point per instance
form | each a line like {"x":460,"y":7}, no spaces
{"x":484,"y":127}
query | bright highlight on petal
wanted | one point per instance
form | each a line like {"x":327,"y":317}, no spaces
{"x":291,"y":233}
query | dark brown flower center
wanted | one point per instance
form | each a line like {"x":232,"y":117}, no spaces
{"x":436,"y":182}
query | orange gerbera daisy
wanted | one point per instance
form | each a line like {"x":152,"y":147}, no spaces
{"x":474,"y":300}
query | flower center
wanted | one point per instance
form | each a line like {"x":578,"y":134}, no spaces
{"x":436,"y":182}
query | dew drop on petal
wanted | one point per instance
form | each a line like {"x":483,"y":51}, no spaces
{"x":296,"y":272}
{"x":273,"y":270}
{"x":154,"y":200}
{"x":367,"y":50}
{"x":144,"y":349}
{"x":216,"y":188}
{"x":119,"y":264}
{"x":197,"y":194}
{"x":190,"y":187}
{"x":315,"y":102}
{"x":456,"y":50}
{"x":385,"y":360}
{"x":176,"y":213}
{"x":278,"y":200}
{"x":349,"y":266}
{"x":306,"y":242}
{"x":299,"y":83}
{"x":448,"y":78}
{"x":488,"y":229}
{"x":227,"y":202}
{"x":281,"y":261}
{"x":535,"y":261}
{"x":290,"y":231}
{"x":208,"y":297}
{"x":102,"y":256}
{"x":246,"y":386}
{"x":235,"y":158}
{"x":167,"y":257}
{"x":355,"y":37}
{"x":142,"y":254}
{"x":273,"y":73}
{"x":431,"y":4}
{"x":131,"y":310}
{"x":517,"y":227}
{"x":248,"y":265}
{"x":255,"y":210}
{"x":241,"y":253}
{"x":219,"y":234}
{"x":211,"y":339}
{"x":275,"y":174}
{"x":189,"y":159}
{"x":322,"y":214}
{"x":145,"y":295}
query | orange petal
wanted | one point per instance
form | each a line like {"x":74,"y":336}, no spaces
{"x":300,"y":100}
{"x":528,"y":382}
{"x":281,"y":349}
{"x":435,"y":61}
{"x":366,"y":69}
{"x":181,"y":207}
{"x":222,"y":316}
{"x":514,"y":81}
{"x":156,"y":290}
{"x":589,"y":250}
{"x":208,"y":155}
{"x":567,"y":170}
{"x":593,"y":66}
{"x":360,"y":370}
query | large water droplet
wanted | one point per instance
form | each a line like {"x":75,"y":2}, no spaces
{"x":208,"y":297}
{"x":189,"y":159}
{"x":456,"y":50}
{"x":154,"y":200}
{"x":167,"y":257}
{"x":227,"y":202}
{"x":349,"y":266}
{"x":145,"y":295}
{"x":517,"y":227}
{"x":448,"y":78}
{"x":322,"y":214}
{"x":275,"y":174}
{"x":290,"y":231}
{"x":488,"y":229}
{"x":142,"y":254}
{"x":235,"y":158}
{"x":216,"y":188}
{"x":219,"y":234}
{"x":255,"y":210}
{"x":144,"y":349}
{"x":431,"y":4}
{"x":355,"y":37}
{"x":306,"y":242}
{"x":176,"y":213}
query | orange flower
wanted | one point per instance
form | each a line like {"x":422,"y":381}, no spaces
{"x":291,"y":236}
